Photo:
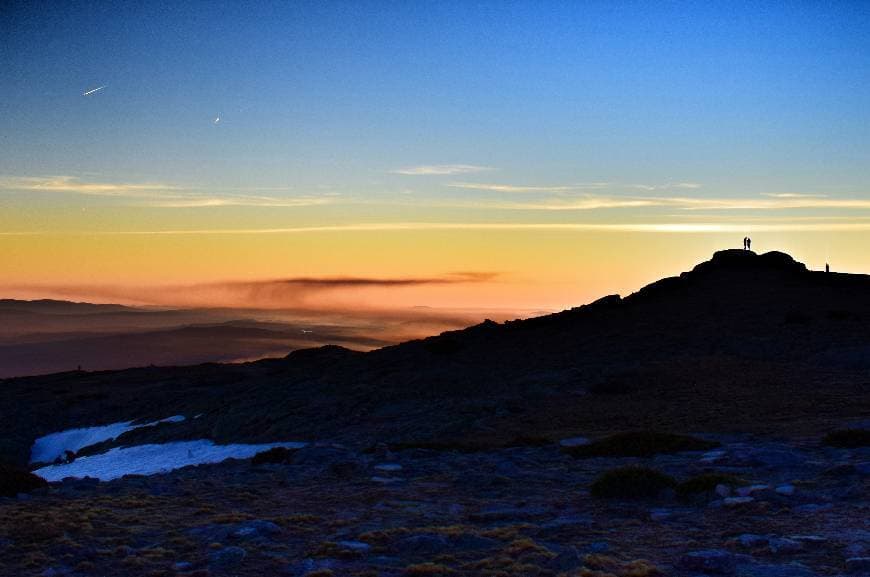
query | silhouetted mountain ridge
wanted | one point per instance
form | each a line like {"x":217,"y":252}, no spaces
{"x":740,"y":342}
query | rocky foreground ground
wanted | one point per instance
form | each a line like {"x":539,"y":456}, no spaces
{"x":780,"y":508}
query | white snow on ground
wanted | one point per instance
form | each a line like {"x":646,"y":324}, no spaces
{"x":48,"y":448}
{"x":153,"y":459}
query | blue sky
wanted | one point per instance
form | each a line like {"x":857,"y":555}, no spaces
{"x":743,"y":98}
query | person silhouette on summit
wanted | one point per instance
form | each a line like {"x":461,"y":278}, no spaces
{"x":748,"y":243}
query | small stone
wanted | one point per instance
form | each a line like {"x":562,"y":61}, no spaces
{"x":736,"y":501}
{"x":357,"y":546}
{"x":574,"y":442}
{"x":182,"y":566}
{"x":305,"y":566}
{"x":747,"y":491}
{"x":858,"y":565}
{"x":709,"y":561}
{"x":784,"y":545}
{"x":385,"y":480}
{"x":712,"y":456}
{"x":258,"y":528}
{"x":751,"y":540}
{"x":566,"y":520}
{"x":722,"y":490}
{"x":811,"y":508}
{"x":389,"y":467}
{"x":659,"y":514}
{"x":785,"y":490}
{"x":809,"y":540}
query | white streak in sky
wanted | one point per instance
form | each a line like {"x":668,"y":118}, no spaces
{"x":93,"y":90}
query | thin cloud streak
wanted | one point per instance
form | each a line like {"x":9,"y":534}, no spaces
{"x":310,"y":293}
{"x":154,"y":195}
{"x":514,"y":188}
{"x":591,"y":202}
{"x":217,"y":201}
{"x":72,"y":184}
{"x":327,"y":283}
{"x":566,"y":188}
{"x":792,"y":195}
{"x":668,"y":186}
{"x":669,"y":227}
{"x":439,"y":169}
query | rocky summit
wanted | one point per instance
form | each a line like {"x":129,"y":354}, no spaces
{"x":712,"y":423}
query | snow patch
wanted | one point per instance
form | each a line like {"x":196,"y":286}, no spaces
{"x":50,"y":447}
{"x":154,"y":459}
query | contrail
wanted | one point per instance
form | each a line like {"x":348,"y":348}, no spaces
{"x":94,"y":90}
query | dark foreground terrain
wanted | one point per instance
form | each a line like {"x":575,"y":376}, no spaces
{"x":448,"y":455}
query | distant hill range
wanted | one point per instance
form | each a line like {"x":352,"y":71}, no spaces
{"x":741,"y":342}
{"x":56,"y":307}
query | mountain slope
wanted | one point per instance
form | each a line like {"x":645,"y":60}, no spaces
{"x":741,"y":342}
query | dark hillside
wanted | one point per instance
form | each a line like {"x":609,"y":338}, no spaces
{"x":742,"y":342}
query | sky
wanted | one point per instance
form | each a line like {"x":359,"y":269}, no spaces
{"x":524,"y":155}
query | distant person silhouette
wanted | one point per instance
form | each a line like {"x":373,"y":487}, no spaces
{"x":748,"y":243}
{"x":744,"y":243}
{"x":827,"y":267}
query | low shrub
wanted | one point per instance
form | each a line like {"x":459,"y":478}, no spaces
{"x":14,"y":481}
{"x":706,"y":483}
{"x":848,"y":438}
{"x":631,"y":483}
{"x":639,"y":444}
{"x":277,"y":455}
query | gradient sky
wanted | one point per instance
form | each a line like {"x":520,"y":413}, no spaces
{"x":571,"y":149}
